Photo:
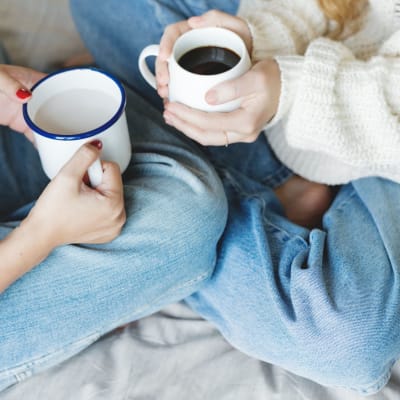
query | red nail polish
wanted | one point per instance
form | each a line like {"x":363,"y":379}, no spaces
{"x":97,"y":143}
{"x":23,"y":93}
{"x":86,"y":179}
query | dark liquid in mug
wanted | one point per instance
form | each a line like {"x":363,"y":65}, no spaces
{"x":209,"y":60}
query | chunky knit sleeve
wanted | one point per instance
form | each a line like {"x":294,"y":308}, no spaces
{"x":282,"y":27}
{"x":339,"y":109}
{"x":342,"y":107}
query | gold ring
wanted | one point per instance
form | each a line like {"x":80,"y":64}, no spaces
{"x":226,"y":138}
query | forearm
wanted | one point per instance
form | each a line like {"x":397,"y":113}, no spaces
{"x":23,"y":249}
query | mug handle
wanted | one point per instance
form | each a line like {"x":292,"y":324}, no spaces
{"x":95,"y":173}
{"x":152,"y":50}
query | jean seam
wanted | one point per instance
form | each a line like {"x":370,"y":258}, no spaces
{"x":288,"y":235}
{"x":377,"y":384}
{"x":28,"y":365}
{"x":344,"y":202}
{"x":278,"y":177}
{"x":229,"y":180}
{"x":21,"y":370}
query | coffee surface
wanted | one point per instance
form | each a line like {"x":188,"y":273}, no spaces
{"x":209,"y":60}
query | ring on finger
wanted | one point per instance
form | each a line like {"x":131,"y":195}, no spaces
{"x":226,"y":138}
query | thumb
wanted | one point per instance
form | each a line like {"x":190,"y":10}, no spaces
{"x":232,"y":89}
{"x":85,"y":156}
{"x":112,"y":179}
{"x":12,"y":88}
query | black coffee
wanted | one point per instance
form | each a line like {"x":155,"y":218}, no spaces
{"x":209,"y":60}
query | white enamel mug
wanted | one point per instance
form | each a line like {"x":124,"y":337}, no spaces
{"x":190,"y":88}
{"x":71,"y":107}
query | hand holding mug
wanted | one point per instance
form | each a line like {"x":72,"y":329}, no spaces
{"x":259,"y":90}
{"x":200,"y":59}
{"x":212,"y":18}
{"x":254,"y":92}
{"x":15,"y":82}
{"x":69,"y":211}
{"x":74,"y":106}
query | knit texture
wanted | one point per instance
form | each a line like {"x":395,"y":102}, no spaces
{"x":339,"y":113}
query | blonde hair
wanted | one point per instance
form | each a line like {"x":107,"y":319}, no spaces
{"x":343,"y":12}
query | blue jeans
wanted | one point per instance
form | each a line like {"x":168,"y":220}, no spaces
{"x":322,"y":303}
{"x":176,"y":210}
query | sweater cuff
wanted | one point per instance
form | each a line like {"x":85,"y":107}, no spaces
{"x":291,"y":69}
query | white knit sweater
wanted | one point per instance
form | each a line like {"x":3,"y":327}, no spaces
{"x":339,"y":112}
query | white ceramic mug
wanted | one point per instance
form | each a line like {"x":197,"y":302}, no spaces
{"x":190,"y":88}
{"x":71,"y":107}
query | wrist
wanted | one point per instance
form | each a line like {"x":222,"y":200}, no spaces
{"x":20,"y":251}
{"x":249,"y":37}
{"x":35,"y":235}
{"x":274,"y":75}
{"x":290,"y":70}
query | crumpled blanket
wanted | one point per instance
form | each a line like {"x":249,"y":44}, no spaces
{"x":174,"y":355}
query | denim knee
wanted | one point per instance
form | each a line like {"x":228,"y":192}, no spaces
{"x":345,"y":348}
{"x":334,"y":331}
{"x":351,"y":353}
{"x":345,"y":357}
{"x":361,"y":362}
{"x":177,"y":212}
{"x":166,"y":251}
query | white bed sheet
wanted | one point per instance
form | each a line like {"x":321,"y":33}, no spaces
{"x":174,"y":355}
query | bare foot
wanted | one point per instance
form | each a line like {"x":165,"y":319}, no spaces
{"x":304,"y":202}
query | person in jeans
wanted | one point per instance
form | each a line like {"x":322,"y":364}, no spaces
{"x":77,"y":262}
{"x":313,"y":289}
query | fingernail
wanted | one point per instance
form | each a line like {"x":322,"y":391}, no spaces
{"x":168,"y":116}
{"x":211,"y":97}
{"x":167,"y":119}
{"x":86,"y":179}
{"x":97,"y":143}
{"x":23,"y":93}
